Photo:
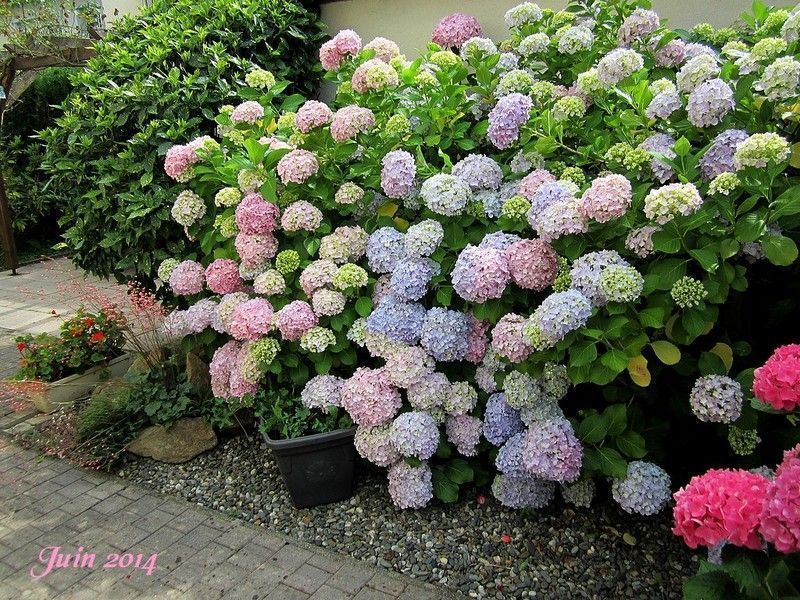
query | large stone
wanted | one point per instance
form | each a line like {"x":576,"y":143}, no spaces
{"x":183,"y":441}
{"x":197,"y":374}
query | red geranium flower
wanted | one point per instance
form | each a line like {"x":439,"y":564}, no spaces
{"x":97,"y":336}
{"x":21,"y":346}
{"x":89,"y":322}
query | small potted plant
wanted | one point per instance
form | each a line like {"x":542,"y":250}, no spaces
{"x":56,"y":370}
{"x":312,"y":444}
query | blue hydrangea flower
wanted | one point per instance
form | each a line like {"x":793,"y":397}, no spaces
{"x":509,"y":457}
{"x":559,"y":314}
{"x":552,"y":451}
{"x":446,"y":194}
{"x":398,"y":321}
{"x":500,"y":421}
{"x":522,"y":492}
{"x":719,"y":156}
{"x":445,"y":334}
{"x":385,"y":248}
{"x":586,"y":272}
{"x":644,"y":490}
{"x":415,"y":434}
{"x":411,"y":277}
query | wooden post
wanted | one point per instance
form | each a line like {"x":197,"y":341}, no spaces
{"x":6,"y":228}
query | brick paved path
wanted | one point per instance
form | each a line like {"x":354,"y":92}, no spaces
{"x":201,"y":554}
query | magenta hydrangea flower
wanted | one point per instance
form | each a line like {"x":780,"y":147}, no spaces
{"x":552,"y":451}
{"x":480,"y":274}
{"x":222,"y":276}
{"x":295,"y":319}
{"x":333,"y":52}
{"x":255,"y":250}
{"x":464,"y":432}
{"x":453,"y":30}
{"x":397,"y":175}
{"x":533,"y":264}
{"x":317,"y":275}
{"x":507,"y":117}
{"x":369,"y":398}
{"x":410,"y":487}
{"x":247,"y":112}
{"x":301,"y":216}
{"x":780,"y":519}
{"x":312,"y":114}
{"x":415,"y":434}
{"x":351,"y":120}
{"x":607,"y":198}
{"x":254,"y":215}
{"x":187,"y":278}
{"x":179,"y":160}
{"x":671,"y":54}
{"x":507,"y":338}
{"x":251,"y":319}
{"x":297,"y":166}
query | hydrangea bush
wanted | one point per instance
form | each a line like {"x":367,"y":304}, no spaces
{"x":508,"y":262}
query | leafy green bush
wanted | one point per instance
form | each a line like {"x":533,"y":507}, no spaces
{"x":35,"y":207}
{"x":158,"y":77}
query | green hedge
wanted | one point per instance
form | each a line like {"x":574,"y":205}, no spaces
{"x":159,"y":78}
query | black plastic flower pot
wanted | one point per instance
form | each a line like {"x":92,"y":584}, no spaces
{"x":318,"y":469}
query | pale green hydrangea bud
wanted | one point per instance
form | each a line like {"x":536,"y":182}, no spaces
{"x":426,"y":79}
{"x":317,"y":339}
{"x":349,"y":193}
{"x":688,"y":292}
{"x":743,"y":441}
{"x":350,"y":276}
{"x":287,"y":120}
{"x":761,"y":149}
{"x":264,"y":351}
{"x":768,"y":48}
{"x":569,"y":107}
{"x":573,"y":174}
{"x":662,"y":86}
{"x":260,"y":78}
{"x":515,"y":208}
{"x":358,"y":332}
{"x":589,"y":83}
{"x":166,"y":267}
{"x":444,"y":59}
{"x":724,"y":184}
{"x":621,"y":283}
{"x":563,"y":280}
{"x":398,"y":126}
{"x":287,"y":261}
{"x":226,"y":226}
{"x":228,"y":196}
{"x":541,"y":91}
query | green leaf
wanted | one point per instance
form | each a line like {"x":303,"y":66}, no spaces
{"x":615,"y":360}
{"x":611,"y":462}
{"x":652,"y":317}
{"x":682,"y":147}
{"x":714,"y":585}
{"x":631,"y":444}
{"x":779,"y":250}
{"x":711,"y":364}
{"x":443,"y":488}
{"x":706,"y":258}
{"x":617,"y":416}
{"x":593,"y":428}
{"x":750,"y":228}
{"x":444,"y":295}
{"x":667,"y":241}
{"x":364,"y":306}
{"x":458,"y":471}
{"x":582,"y":354}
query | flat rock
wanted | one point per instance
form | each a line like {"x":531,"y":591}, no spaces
{"x":183,"y":441}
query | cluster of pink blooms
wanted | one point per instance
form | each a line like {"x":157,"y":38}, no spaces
{"x":248,"y":112}
{"x":780,"y":520}
{"x":255,"y":250}
{"x":351,"y":120}
{"x":317,"y":275}
{"x":333,"y":52}
{"x":383,"y":48}
{"x":295,"y":319}
{"x":369,"y":398}
{"x":508,"y":340}
{"x":251,"y":319}
{"x":607,"y":198}
{"x":297,"y":166}
{"x":453,"y":30}
{"x":301,"y":216}
{"x":533,"y":264}
{"x":187,"y":278}
{"x":312,"y":114}
{"x":225,"y":371}
{"x":179,"y":160}
{"x":777,"y":382}
{"x":222,"y":276}
{"x":397,"y":175}
{"x":255,"y":216}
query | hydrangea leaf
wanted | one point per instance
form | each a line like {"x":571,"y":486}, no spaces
{"x":667,"y":352}
{"x":780,"y":250}
{"x":725,"y":352}
{"x":637,"y":369}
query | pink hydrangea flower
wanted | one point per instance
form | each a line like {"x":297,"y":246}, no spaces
{"x":223,"y":363}
{"x":397,"y":175}
{"x":295,"y":319}
{"x":369,"y":398}
{"x":297,"y":166}
{"x":187,"y":278}
{"x":374,"y":74}
{"x":480,"y":274}
{"x":453,"y":30}
{"x":720,"y":506}
{"x":255,"y":250}
{"x":301,"y":215}
{"x":507,"y":338}
{"x":317,"y":275}
{"x":530,"y":184}
{"x":251,"y":319}
{"x":351,"y":120}
{"x":333,"y":52}
{"x":254,"y":215}
{"x":780,"y":520}
{"x":247,"y":112}
{"x":607,"y":198}
{"x":312,"y":114}
{"x":533,"y":264}
{"x":222,"y":276}
{"x":179,"y":159}
{"x":477,"y":341}
{"x":777,"y":382}
{"x":385,"y":49}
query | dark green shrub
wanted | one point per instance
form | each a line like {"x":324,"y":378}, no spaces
{"x":159,"y":78}
{"x":35,"y":208}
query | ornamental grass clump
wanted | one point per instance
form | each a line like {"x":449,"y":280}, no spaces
{"x":509,"y":261}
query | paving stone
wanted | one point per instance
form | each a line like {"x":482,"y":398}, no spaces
{"x":326,"y":561}
{"x":383,"y":582}
{"x":290,"y":557}
{"x":327,"y":592}
{"x":370,"y":594}
{"x":307,"y":579}
{"x":350,"y":578}
{"x":283,"y":592}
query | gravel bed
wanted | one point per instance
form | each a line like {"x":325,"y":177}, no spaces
{"x":559,"y":552}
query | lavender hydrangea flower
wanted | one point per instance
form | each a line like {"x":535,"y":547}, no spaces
{"x":410,"y":487}
{"x":480,"y":274}
{"x":644,"y":490}
{"x":444,"y":334}
{"x":321,"y":392}
{"x":479,"y":171}
{"x":587,"y":270}
{"x":398,"y":321}
{"x":507,"y":117}
{"x":561,"y":218}
{"x":500,"y":421}
{"x":709,"y":102}
{"x":423,"y":238}
{"x":552,"y":451}
{"x":509,"y":458}
{"x":464,"y":432}
{"x":663,"y":105}
{"x":399,"y":171}
{"x":200,"y":315}
{"x":385,"y":248}
{"x":374,"y":445}
{"x":719,"y":156}
{"x":716,"y":399}
{"x":415,"y":434}
{"x":640,"y":240}
{"x":558,"y":315}
{"x":660,"y":143}
{"x":522,"y":492}
{"x":546,"y":194}
{"x":638,"y":25}
{"x":446,"y":194}
{"x":411,"y":277}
